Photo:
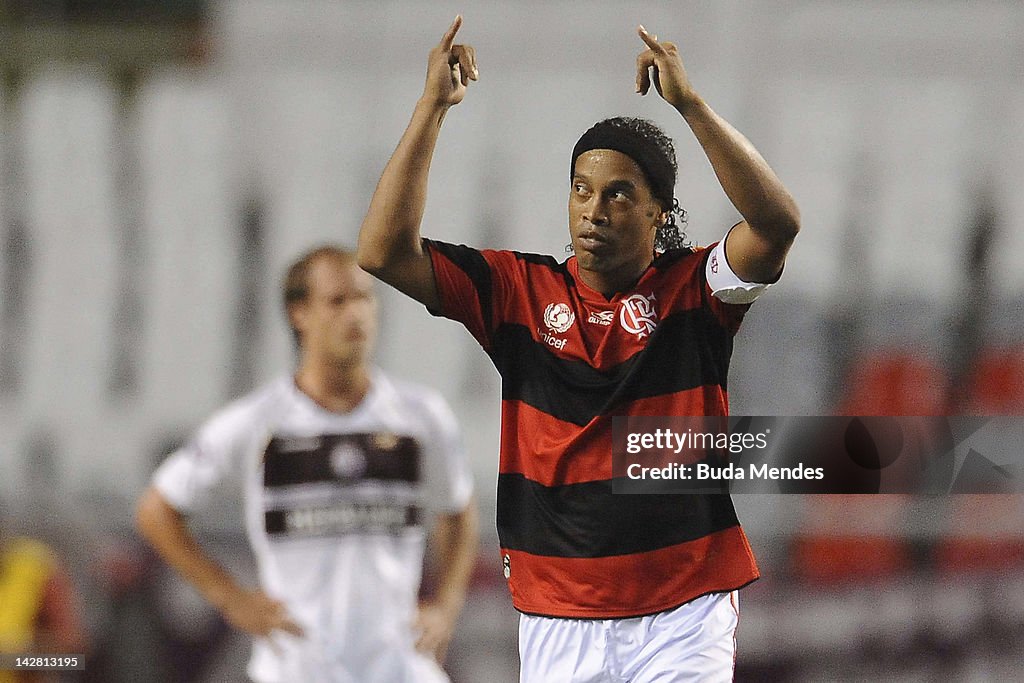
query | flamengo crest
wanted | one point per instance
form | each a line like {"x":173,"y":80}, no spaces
{"x":638,"y":316}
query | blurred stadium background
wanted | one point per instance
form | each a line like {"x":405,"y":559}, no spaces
{"x":162,"y":160}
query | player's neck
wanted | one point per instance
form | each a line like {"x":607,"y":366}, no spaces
{"x":608,"y":284}
{"x":338,"y":388}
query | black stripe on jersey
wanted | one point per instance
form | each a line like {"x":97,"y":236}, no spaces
{"x":475,"y":266}
{"x":549,"y":262}
{"x":344,"y":458}
{"x":588,"y":520}
{"x":544,"y":261}
{"x":688,"y":349}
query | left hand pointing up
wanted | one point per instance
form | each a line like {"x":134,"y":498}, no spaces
{"x":662,"y":63}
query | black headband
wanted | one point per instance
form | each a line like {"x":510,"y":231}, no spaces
{"x":657,"y":167}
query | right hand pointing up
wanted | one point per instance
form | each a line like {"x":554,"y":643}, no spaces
{"x":449,"y":69}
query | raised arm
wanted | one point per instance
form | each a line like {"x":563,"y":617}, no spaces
{"x":757,"y":247}
{"x":167,"y":531}
{"x":389,"y":240}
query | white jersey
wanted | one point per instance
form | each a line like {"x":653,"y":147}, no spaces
{"x":335,"y":507}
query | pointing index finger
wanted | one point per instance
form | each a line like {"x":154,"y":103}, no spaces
{"x":651,"y":41}
{"x":449,"y":36}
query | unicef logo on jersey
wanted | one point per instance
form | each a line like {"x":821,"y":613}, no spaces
{"x":559,"y":317}
{"x":348,"y":461}
{"x":638,"y":316}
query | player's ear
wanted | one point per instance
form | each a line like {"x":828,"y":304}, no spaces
{"x":296,"y":315}
{"x":658,"y":214}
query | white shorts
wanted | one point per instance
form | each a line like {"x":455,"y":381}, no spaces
{"x":693,"y":642}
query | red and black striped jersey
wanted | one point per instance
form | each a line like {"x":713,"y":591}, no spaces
{"x":570,"y":360}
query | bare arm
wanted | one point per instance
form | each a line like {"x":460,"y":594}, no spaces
{"x":167,"y":531}
{"x":455,"y":539}
{"x":389,"y":239}
{"x":757,"y":247}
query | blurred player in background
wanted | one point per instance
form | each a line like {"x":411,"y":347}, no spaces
{"x":341,"y":468}
{"x":611,"y":587}
{"x":39,"y":606}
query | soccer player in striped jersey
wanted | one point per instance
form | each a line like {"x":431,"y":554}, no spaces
{"x":610,"y":587}
{"x":341,"y":467}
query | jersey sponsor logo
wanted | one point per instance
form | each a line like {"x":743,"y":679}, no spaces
{"x":341,"y":518}
{"x":559,"y":317}
{"x":714,"y":261}
{"x":506,"y":566}
{"x":601,"y":317}
{"x":637,"y":315}
{"x":331,"y":485}
{"x":552,"y":340}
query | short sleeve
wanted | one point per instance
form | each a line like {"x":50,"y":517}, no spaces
{"x":473,"y":286}
{"x":448,"y":478}
{"x":207,"y":462}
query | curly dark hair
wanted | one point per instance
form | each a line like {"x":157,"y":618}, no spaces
{"x":672,"y":233}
